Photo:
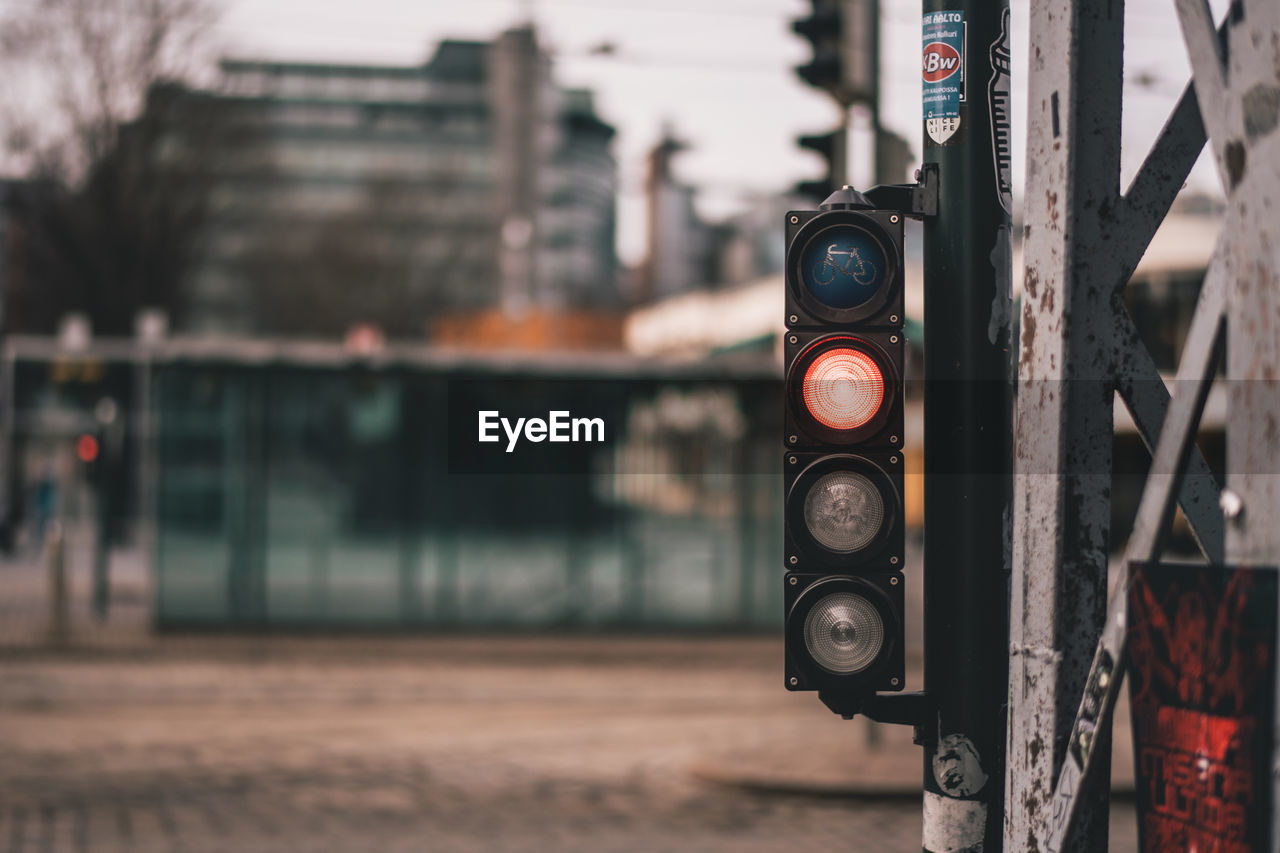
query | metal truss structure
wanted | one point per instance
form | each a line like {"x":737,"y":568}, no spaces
{"x":1079,"y":347}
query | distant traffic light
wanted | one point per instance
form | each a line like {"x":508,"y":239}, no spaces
{"x":843,"y":470}
{"x":89,"y":452}
{"x":824,"y":29}
{"x":832,"y":148}
{"x":844,"y":35}
{"x":87,"y":448}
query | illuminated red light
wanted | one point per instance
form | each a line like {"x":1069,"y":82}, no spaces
{"x":843,"y":388}
{"x":87,"y":448}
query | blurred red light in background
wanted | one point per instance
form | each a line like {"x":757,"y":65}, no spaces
{"x":87,"y":448}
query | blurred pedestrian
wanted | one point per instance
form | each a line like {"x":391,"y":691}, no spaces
{"x":44,"y":499}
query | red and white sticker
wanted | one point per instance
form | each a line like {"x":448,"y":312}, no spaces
{"x":943,"y":74}
{"x":940,"y":61}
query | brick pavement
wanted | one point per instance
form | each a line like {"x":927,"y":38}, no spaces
{"x":438,"y":744}
{"x":124,"y":741}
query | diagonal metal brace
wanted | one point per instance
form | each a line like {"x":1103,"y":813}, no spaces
{"x":1168,"y":465}
{"x":1147,"y":399}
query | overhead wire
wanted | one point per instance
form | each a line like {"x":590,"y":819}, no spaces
{"x":896,"y":65}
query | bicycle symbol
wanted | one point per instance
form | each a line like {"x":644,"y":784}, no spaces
{"x":854,"y":265}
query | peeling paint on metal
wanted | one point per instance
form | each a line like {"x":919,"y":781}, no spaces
{"x":953,"y":826}
{"x":1235,"y":162}
{"x":1028,"y":335}
{"x":1261,"y":108}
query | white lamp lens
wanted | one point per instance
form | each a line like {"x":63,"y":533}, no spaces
{"x":843,"y":633}
{"x":843,"y":511}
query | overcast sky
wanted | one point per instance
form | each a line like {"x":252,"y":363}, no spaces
{"x":718,"y":71}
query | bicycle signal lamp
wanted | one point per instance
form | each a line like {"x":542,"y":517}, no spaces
{"x":843,"y":469}
{"x":844,"y":267}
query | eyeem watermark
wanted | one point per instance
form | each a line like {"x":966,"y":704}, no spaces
{"x":558,"y":427}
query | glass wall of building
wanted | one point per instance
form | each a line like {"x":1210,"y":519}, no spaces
{"x":350,"y":496}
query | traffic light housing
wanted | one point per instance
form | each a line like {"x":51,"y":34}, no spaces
{"x":870,"y":482}
{"x":845,"y":39}
{"x":844,"y":35}
{"x":824,"y":29}
{"x":832,"y":148}
{"x":845,"y":624}
{"x":844,"y":268}
{"x":843,"y":468}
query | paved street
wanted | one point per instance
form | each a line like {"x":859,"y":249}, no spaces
{"x":521,"y":744}
{"x":120,"y":740}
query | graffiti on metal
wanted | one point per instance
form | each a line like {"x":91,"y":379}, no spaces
{"x":1201,"y":646}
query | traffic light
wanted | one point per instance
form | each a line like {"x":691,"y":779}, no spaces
{"x":89,"y":452}
{"x":843,"y":468}
{"x":824,"y":28}
{"x":832,"y":148}
{"x":845,"y":39}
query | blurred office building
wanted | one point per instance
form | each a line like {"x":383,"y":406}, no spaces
{"x":679,"y":253}
{"x":686,"y":253}
{"x":401,"y":196}
{"x":421,"y":201}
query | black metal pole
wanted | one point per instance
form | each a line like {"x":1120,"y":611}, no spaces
{"x":968,"y":422}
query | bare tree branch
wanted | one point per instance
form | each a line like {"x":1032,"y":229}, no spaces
{"x":113,"y":156}
{"x":76,"y":69}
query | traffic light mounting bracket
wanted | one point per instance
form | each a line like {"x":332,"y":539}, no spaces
{"x":906,"y":709}
{"x":917,"y":201}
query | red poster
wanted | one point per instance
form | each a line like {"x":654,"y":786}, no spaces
{"x":1201,"y":645}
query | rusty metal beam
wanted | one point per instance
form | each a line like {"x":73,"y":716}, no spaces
{"x":1250,"y":167}
{"x":1077,"y":781}
{"x":1253,"y":231}
{"x":1239,"y":80}
{"x":1062,"y":463}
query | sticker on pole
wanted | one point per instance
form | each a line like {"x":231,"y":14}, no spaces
{"x":1201,"y":645}
{"x":957,"y":768}
{"x":942,"y":70}
{"x":998,"y":101}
